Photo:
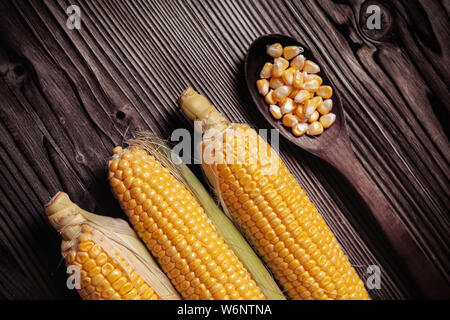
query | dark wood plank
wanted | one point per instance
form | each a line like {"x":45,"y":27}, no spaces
{"x":69,"y":96}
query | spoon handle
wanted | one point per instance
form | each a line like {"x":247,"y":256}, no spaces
{"x":418,"y":264}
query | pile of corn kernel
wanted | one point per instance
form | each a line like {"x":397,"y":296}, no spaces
{"x":295,"y":92}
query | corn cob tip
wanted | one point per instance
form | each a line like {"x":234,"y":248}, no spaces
{"x":197,"y":107}
{"x":117,"y":150}
{"x":189,"y":91}
{"x":194,"y":105}
{"x":56,"y":203}
{"x":64,"y":215}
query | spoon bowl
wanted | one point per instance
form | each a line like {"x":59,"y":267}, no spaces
{"x":254,"y":61}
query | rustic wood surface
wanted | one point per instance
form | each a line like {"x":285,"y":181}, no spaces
{"x":69,"y":96}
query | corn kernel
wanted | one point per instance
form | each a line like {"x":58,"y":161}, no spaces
{"x":311,"y":67}
{"x":279,"y":65}
{"x":282,"y":92}
{"x":263,"y":86}
{"x":275,"y":83}
{"x":266,"y":71}
{"x":302,"y":96}
{"x":299,"y":129}
{"x":287,"y":106}
{"x":310,"y":77}
{"x":326,"y":106}
{"x":299,"y":111}
{"x":275,"y":50}
{"x":314,"y":117}
{"x":289,"y":120}
{"x":269,"y":98}
{"x":317,"y":100}
{"x":298,"y":80}
{"x":309,"y":108}
{"x":275,"y":111}
{"x":294,"y":93}
{"x":315,"y":129}
{"x":312,"y":85}
{"x":327,"y":120}
{"x":288,"y":76}
{"x":298,"y":62}
{"x":290,"y":52}
{"x":325,"y":92}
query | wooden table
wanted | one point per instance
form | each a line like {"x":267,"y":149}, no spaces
{"x":67,"y":97}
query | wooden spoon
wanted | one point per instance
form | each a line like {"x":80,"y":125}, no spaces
{"x":333,"y":146}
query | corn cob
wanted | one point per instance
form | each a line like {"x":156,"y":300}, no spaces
{"x":106,"y":268}
{"x":272,"y":209}
{"x":177,"y":230}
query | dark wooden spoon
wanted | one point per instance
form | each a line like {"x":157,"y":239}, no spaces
{"x":333,"y":146}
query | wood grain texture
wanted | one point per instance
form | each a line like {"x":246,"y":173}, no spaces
{"x":69,"y":96}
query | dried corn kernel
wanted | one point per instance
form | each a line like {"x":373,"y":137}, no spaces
{"x":269,"y":98}
{"x":282,"y":92}
{"x":298,"y":62}
{"x":298,"y":80}
{"x":290,"y":52}
{"x":266,"y":71}
{"x":288,"y":76}
{"x":263,"y":86}
{"x":287,"y":106}
{"x":325,"y":106}
{"x":289,"y":120}
{"x":275,"y":111}
{"x":315,"y":128}
{"x":299,"y":111}
{"x":317,"y":100}
{"x":309,"y":107}
{"x":294,"y":93}
{"x":310,"y":77}
{"x":299,"y":129}
{"x":314,"y":117}
{"x":275,"y":50}
{"x":275,"y":83}
{"x":279,"y":65}
{"x":312,"y":85}
{"x":311,"y":67}
{"x":302,"y":96}
{"x":327,"y":120}
{"x":325,"y":92}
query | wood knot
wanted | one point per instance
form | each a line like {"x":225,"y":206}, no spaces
{"x":120,"y":115}
{"x":13,"y":74}
{"x":125,"y":113}
{"x":376,"y":20}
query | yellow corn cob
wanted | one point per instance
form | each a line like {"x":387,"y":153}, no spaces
{"x":177,"y":230}
{"x":103,"y":277}
{"x":273,"y":210}
{"x":104,"y":270}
